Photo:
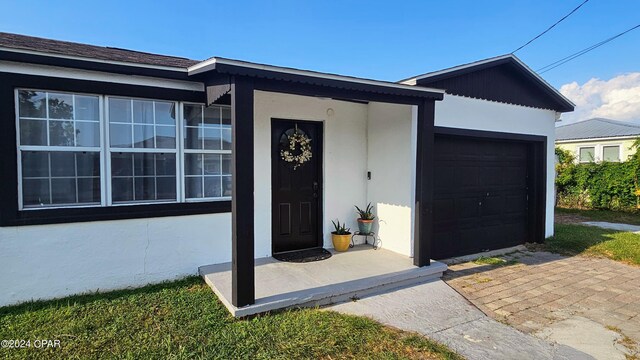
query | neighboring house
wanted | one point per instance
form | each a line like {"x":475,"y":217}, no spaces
{"x":120,"y":168}
{"x":598,"y":139}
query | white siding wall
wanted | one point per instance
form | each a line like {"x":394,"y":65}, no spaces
{"x":48,"y":261}
{"x":467,"y":113}
{"x":345,"y":158}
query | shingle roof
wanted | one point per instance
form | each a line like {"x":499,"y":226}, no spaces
{"x":23,"y":42}
{"x":597,"y":128}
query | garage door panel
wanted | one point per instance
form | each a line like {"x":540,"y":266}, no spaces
{"x":480,"y":199}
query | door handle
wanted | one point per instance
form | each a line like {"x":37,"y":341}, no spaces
{"x":315,"y":186}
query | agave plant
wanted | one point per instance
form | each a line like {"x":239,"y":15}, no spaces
{"x":340,"y":229}
{"x":366,"y":214}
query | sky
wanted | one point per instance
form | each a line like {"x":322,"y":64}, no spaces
{"x":373,"y":39}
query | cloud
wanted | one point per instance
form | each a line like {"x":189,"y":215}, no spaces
{"x":617,"y":98}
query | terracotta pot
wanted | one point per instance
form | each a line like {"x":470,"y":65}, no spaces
{"x":341,"y":242}
{"x":364,"y":226}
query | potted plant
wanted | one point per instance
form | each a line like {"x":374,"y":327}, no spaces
{"x":341,"y":237}
{"x":366,"y":219}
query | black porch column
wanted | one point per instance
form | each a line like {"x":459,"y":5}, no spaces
{"x":242,"y":208}
{"x":423,"y":222}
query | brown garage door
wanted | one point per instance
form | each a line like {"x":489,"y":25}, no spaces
{"x":480,"y":195}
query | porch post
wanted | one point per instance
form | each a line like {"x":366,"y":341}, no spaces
{"x":423,"y":231}
{"x":242,"y":207}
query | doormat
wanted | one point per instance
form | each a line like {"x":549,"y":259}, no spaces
{"x":304,"y":256}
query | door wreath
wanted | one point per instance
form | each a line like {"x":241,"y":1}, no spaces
{"x":295,"y":147}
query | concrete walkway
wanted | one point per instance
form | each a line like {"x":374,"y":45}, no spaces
{"x":436,"y":310}
{"x":614,"y":226}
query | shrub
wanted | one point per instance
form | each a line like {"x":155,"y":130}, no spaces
{"x":604,"y":185}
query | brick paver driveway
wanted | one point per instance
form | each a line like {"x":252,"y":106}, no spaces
{"x":542,"y":288}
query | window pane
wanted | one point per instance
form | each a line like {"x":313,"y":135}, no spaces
{"x":89,"y":190}
{"x":143,"y":136}
{"x":63,"y":164}
{"x":63,"y":190}
{"x":193,"y":187}
{"x":226,"y":164}
{"x":226,"y":139}
{"x":212,"y":165}
{"x":88,"y":134}
{"x":211,"y":139}
{"x":587,"y":154}
{"x":61,"y":133}
{"x":60,"y":106}
{"x":144,"y":165}
{"x":192,"y":140}
{"x":145,"y":188}
{"x":166,"y":137}
{"x":193,"y":115}
{"x":35,"y":164}
{"x":166,"y":164}
{"x":87,"y":108}
{"x":120,"y":135}
{"x":226,"y":186}
{"x":611,"y":153}
{"x":193,"y":164}
{"x":88,"y":164}
{"x":33,"y":132}
{"x":121,"y":164}
{"x":212,"y":116}
{"x":122,"y":189}
{"x":165,"y":113}
{"x":226,"y":117}
{"x":32,"y":104}
{"x":35,"y":192}
{"x":142,"y":112}
{"x":166,"y":188}
{"x":212,"y":186}
{"x":119,"y":110}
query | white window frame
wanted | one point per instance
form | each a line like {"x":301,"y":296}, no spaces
{"x":594,"y":154}
{"x":49,"y":149}
{"x":108,"y":150}
{"x":198,"y":151}
{"x":619,"y":146}
{"x":105,"y":150}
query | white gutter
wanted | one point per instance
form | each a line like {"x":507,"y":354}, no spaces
{"x":626,"y":137}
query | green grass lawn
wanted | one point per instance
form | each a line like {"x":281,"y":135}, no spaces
{"x":604,"y":215}
{"x":588,"y":240}
{"x":184,"y":320}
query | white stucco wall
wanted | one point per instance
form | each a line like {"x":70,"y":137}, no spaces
{"x":345,"y":158}
{"x":467,"y":113}
{"x":391,"y":161}
{"x":49,"y":261}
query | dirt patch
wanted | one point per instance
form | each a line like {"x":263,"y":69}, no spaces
{"x":562,"y":218}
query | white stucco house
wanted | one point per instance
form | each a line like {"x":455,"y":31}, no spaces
{"x":121,"y":168}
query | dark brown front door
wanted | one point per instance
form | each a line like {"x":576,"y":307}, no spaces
{"x":296,"y":193}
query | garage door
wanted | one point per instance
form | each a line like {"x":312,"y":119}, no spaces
{"x":480,"y":195}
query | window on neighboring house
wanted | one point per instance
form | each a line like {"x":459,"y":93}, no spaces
{"x":587,"y":154}
{"x":73,"y":151}
{"x":59,"y":147}
{"x":207,"y":152}
{"x":611,"y":153}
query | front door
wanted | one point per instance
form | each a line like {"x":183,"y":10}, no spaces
{"x":296,"y":188}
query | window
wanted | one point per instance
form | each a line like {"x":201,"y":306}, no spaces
{"x":611,"y":153}
{"x":59,"y":145}
{"x":207,"y":152}
{"x":142,"y":147}
{"x":96,"y":150}
{"x":587,"y":154}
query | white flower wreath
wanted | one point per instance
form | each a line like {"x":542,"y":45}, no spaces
{"x":293,"y":154}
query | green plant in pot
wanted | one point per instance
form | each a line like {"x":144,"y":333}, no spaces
{"x":341,"y":236}
{"x":365,"y":222}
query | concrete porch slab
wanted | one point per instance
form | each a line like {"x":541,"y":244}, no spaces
{"x":359,"y":272}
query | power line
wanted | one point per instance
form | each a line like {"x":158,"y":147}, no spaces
{"x":551,"y":27}
{"x":566,"y":59}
